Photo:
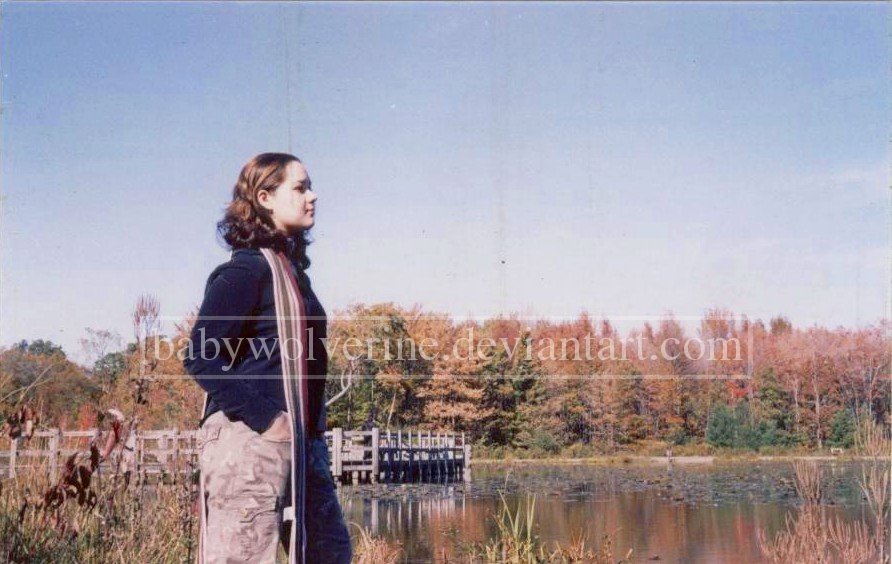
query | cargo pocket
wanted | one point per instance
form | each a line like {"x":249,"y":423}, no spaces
{"x":256,"y":527}
{"x":211,"y":429}
{"x":271,"y":441}
{"x":263,"y":467}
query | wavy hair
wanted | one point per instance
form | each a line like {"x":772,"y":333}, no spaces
{"x":248,"y":225}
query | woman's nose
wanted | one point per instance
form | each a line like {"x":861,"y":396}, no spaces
{"x":311,"y":196}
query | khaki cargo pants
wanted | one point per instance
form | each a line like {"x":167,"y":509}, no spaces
{"x":246,"y":482}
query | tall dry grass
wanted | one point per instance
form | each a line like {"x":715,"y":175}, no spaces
{"x":85,"y":516}
{"x":516,"y":541}
{"x":873,"y":439}
{"x":808,"y":482}
{"x":811,"y":535}
{"x":374,"y":550}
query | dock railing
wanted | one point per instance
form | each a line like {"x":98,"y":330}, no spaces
{"x":372,"y":456}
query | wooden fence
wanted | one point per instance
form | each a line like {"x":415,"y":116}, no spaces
{"x":374,"y":456}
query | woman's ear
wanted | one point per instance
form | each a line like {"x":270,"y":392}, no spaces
{"x":263,"y":198}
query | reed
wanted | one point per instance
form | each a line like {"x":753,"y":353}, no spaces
{"x":516,"y":541}
{"x":578,"y":551}
{"x":811,"y":536}
{"x":374,"y":550}
{"x":853,"y":542}
{"x":872,"y":439}
{"x":875,"y":487}
{"x":84,"y":516}
{"x":808,"y":481}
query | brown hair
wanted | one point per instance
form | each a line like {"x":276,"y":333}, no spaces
{"x":248,"y":225}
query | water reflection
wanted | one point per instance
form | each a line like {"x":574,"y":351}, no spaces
{"x":707,"y":513}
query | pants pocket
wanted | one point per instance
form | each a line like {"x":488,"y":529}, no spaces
{"x":264,"y":439}
{"x":245,"y":528}
{"x":206,"y":436}
{"x":210,"y":431}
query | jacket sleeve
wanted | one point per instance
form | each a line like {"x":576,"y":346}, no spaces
{"x":231,"y":294}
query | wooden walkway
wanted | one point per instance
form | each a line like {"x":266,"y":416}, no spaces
{"x":398,"y":456}
{"x":374,"y":456}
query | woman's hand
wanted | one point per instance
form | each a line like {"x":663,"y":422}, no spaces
{"x":280,"y":430}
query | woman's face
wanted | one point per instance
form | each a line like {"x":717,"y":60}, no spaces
{"x":292,"y":205}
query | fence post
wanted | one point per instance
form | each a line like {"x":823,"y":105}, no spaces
{"x":161,"y":444}
{"x":54,"y":453}
{"x":450,"y":454}
{"x":466,"y":473}
{"x":461,"y":465}
{"x":13,"y":451}
{"x":425,"y":452}
{"x":337,"y":437}
{"x":376,"y":436}
{"x":176,"y":453}
{"x":431,"y":456}
{"x":137,"y":453}
{"x":399,"y":442}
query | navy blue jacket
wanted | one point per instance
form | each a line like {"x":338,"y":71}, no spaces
{"x":251,"y":389}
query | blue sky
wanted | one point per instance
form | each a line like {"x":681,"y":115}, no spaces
{"x":624,"y":159}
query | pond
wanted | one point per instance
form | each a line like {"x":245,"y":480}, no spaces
{"x":681,"y":513}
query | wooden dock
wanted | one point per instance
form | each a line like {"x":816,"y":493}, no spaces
{"x":373,"y":456}
{"x":378,"y":456}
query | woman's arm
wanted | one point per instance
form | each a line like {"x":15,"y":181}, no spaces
{"x":230,"y":296}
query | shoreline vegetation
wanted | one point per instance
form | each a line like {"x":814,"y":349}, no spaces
{"x":871,"y":442}
{"x":640,"y":459}
{"x":808,"y":535}
{"x":89,"y":517}
{"x":646,"y":455}
{"x":811,"y":390}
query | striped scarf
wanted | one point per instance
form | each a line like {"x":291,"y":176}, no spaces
{"x":293,"y":349}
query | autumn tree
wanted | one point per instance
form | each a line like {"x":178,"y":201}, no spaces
{"x":38,"y":373}
{"x":98,"y":343}
{"x":453,"y":396}
{"x":381,"y":356}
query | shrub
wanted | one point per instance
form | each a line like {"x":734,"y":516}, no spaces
{"x":842,"y":429}
{"x":735,"y":429}
{"x":539,"y":440}
{"x":722,"y":427}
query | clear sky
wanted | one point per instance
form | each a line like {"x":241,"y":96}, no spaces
{"x":624,"y":159}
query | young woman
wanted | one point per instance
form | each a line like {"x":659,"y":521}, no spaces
{"x":265,"y":472}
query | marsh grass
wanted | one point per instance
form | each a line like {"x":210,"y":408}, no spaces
{"x":85,"y":516}
{"x":516,"y":541}
{"x":374,"y":550}
{"x":872,"y":439}
{"x":808,"y":482}
{"x":811,"y":535}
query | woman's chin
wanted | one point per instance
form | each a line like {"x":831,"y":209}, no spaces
{"x":294,"y":231}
